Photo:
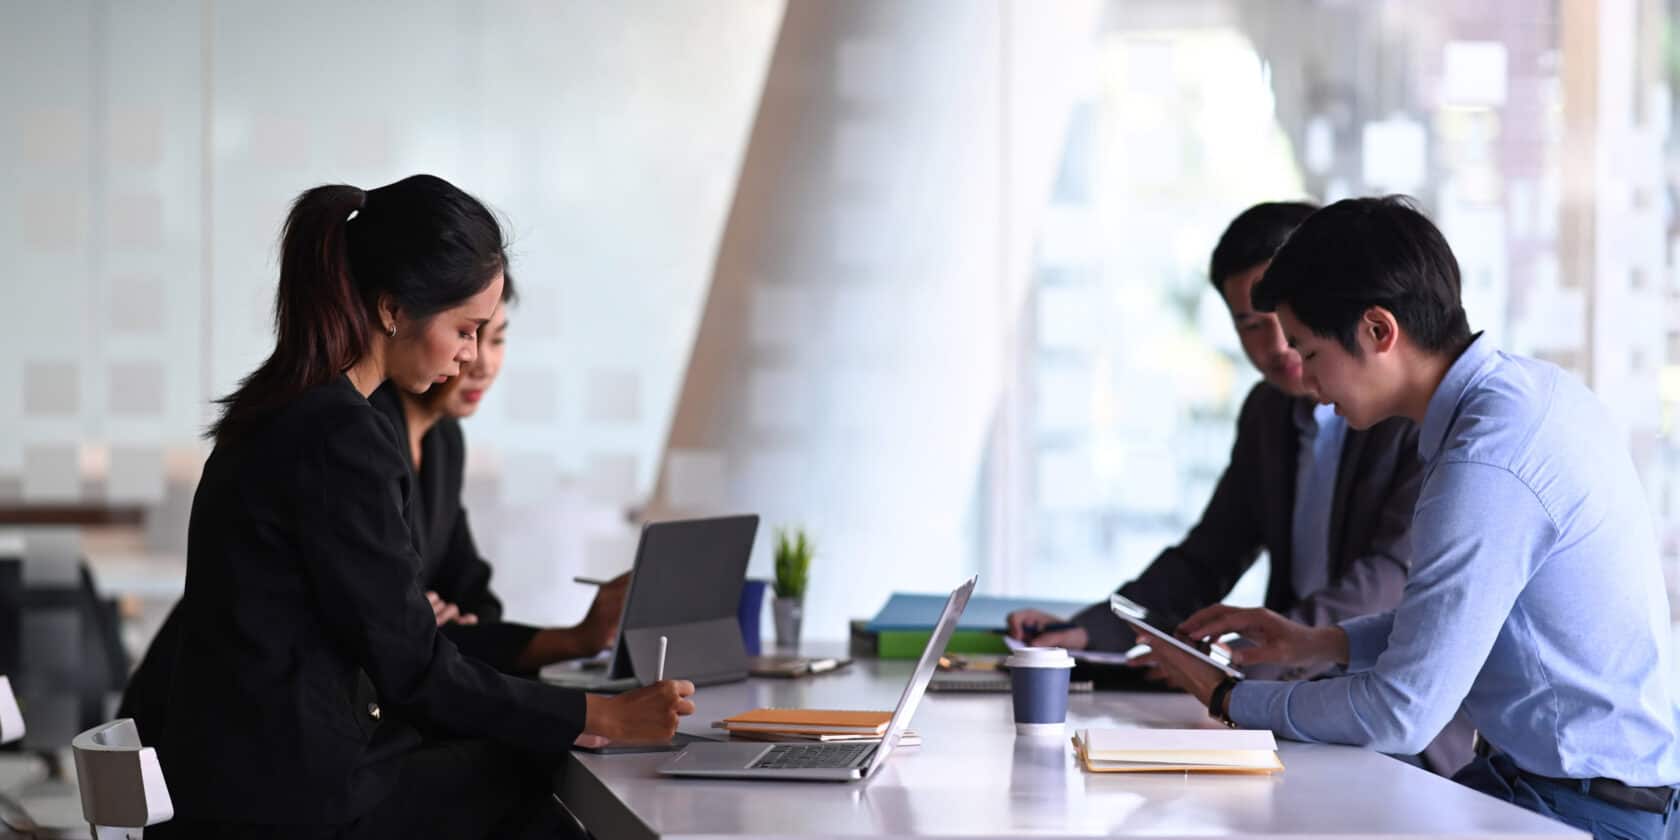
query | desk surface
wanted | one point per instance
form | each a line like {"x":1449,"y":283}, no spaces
{"x":974,"y":778}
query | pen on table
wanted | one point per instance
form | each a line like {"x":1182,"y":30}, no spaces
{"x":659,"y":673}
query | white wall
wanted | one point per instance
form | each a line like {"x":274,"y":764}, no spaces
{"x":150,"y":152}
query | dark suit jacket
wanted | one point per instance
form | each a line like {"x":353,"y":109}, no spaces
{"x":450,"y":565}
{"x":1253,"y":508}
{"x":309,"y":663}
{"x":450,"y":562}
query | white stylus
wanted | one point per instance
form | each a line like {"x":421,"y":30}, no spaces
{"x":659,"y":674}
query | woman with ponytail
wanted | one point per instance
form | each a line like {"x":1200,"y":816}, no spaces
{"x":312,"y":695}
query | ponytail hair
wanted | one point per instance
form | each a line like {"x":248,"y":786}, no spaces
{"x":421,"y":241}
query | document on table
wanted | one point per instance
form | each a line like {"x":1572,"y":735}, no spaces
{"x":1095,"y":657}
{"x":1177,"y":750}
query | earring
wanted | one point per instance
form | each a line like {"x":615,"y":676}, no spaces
{"x":391,"y":330}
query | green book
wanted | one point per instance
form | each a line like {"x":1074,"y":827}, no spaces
{"x":905,"y":623}
{"x":909,"y":644}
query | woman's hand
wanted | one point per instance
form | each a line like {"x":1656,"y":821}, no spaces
{"x":446,"y":612}
{"x":646,"y":715}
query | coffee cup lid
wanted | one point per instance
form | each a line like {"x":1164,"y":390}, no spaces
{"x":1039,"y":657}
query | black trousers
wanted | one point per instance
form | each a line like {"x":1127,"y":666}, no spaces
{"x":448,"y":789}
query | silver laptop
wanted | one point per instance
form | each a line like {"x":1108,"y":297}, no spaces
{"x":842,"y":762}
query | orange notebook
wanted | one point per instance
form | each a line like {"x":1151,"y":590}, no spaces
{"x":809,"y":722}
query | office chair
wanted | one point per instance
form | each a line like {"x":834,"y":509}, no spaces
{"x":121,"y":782}
{"x":13,"y":815}
{"x":59,"y":646}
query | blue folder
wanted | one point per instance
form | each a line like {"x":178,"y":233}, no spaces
{"x":915,"y":611}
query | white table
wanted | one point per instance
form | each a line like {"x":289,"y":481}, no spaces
{"x":974,"y":778}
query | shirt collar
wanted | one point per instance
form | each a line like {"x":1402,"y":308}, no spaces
{"x":1443,"y":405}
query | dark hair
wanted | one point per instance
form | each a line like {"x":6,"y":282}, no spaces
{"x":1253,"y":237}
{"x":1365,"y":252}
{"x":422,"y":241}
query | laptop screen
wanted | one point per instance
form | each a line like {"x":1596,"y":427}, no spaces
{"x":925,"y":667}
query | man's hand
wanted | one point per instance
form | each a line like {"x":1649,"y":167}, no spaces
{"x":445,"y":612}
{"x":647,"y":715}
{"x":1025,"y":624}
{"x":600,"y":625}
{"x":1184,"y":672}
{"x":1275,"y":638}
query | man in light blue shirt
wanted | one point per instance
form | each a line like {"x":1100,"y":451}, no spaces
{"x":1535,"y":597}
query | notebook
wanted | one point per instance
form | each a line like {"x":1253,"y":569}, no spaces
{"x":809,"y":722}
{"x":1177,"y":750}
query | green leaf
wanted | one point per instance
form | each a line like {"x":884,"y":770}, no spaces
{"x":793,"y":562}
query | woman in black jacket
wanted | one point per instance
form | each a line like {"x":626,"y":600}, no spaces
{"x":457,"y":578}
{"x":312,"y":695}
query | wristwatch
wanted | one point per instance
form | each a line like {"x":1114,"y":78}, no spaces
{"x":1216,"y":701}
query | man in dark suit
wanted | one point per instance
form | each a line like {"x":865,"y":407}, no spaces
{"x":1328,"y":504}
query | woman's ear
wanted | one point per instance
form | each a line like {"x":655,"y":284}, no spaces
{"x":388,"y":311}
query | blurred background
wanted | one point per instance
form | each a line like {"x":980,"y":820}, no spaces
{"x":925,"y":278}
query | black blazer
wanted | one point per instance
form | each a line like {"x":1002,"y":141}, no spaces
{"x":1253,"y":508}
{"x":308,"y":660}
{"x":449,"y":560}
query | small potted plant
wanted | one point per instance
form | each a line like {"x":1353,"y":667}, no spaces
{"x":793,"y":572}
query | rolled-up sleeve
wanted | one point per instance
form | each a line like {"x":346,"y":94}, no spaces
{"x":1367,"y":637}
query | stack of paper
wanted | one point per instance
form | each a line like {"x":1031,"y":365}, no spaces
{"x":1177,"y":750}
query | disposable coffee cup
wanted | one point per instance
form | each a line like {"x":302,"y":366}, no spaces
{"x":1038,"y":680}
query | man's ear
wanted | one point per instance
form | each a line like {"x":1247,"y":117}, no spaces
{"x":1378,"y":329}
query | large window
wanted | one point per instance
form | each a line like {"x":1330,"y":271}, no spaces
{"x":1536,"y":134}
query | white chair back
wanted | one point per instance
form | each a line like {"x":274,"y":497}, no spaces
{"x":121,"y":781}
{"x":11,"y":717}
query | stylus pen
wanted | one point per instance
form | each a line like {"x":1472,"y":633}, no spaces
{"x":589,"y":581}
{"x":659,"y":673}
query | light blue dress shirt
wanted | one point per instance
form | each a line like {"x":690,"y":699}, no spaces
{"x":1319,"y":457}
{"x":1535,"y":595}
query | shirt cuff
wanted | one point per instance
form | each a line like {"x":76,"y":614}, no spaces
{"x":1367,"y":637}
{"x":1258,"y":704}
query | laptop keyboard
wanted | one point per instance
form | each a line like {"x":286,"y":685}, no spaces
{"x":814,"y":756}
